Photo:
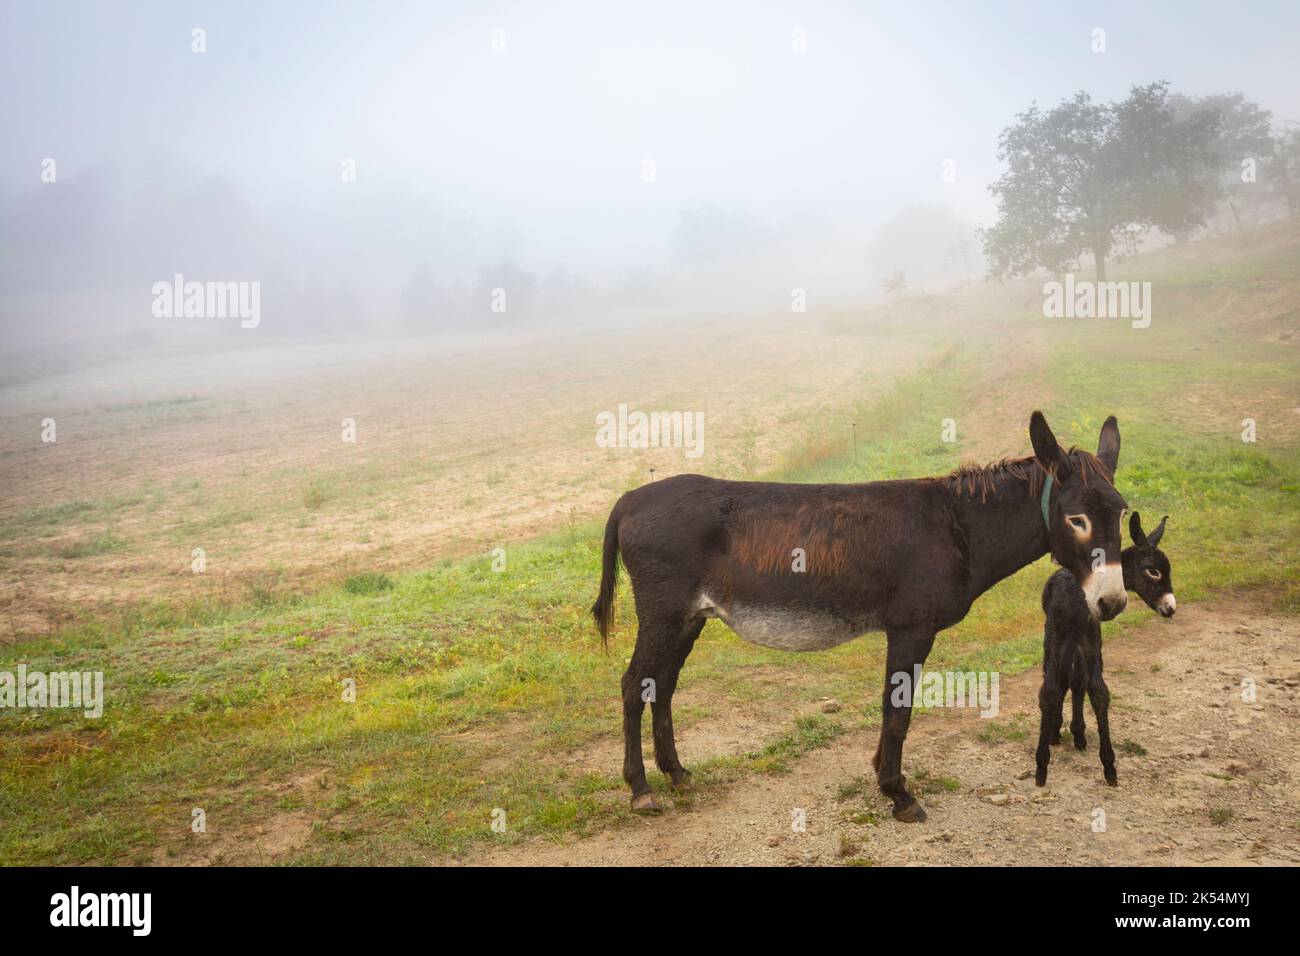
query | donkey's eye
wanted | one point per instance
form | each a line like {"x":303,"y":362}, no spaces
{"x":1079,"y":523}
{"x":1153,"y":574}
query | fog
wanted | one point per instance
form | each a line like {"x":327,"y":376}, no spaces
{"x":383,"y":169}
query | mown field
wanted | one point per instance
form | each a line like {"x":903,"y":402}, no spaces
{"x":479,"y":690}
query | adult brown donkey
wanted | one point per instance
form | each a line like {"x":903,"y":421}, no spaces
{"x":806,"y":567}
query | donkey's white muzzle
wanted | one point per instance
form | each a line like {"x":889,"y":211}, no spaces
{"x":1105,"y":594}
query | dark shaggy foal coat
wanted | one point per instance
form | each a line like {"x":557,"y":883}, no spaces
{"x":1072,"y":646}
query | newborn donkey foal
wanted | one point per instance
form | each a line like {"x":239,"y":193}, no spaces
{"x":1072,"y":645}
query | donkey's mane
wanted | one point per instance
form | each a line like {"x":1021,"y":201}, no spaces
{"x":967,"y":479}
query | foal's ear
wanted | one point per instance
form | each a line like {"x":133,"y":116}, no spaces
{"x":1135,"y":530}
{"x":1046,"y":449}
{"x":1108,"y":445}
{"x":1154,"y":537}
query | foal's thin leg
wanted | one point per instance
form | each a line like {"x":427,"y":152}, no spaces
{"x":1099,"y":694}
{"x":1050,"y":698}
{"x":661,"y":707}
{"x":1061,"y":674}
{"x":906,"y":649}
{"x":1078,"y":685}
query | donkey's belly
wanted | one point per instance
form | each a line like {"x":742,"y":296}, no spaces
{"x":787,"y":628}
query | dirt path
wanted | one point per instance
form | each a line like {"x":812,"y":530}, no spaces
{"x":1204,"y":776}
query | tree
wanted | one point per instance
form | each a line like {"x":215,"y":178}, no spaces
{"x":506,"y":292}
{"x":1090,"y":178}
{"x":894,"y":284}
{"x":1284,"y":168}
{"x":1243,"y":134}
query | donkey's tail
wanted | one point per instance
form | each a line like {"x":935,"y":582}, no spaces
{"x":603,"y":609}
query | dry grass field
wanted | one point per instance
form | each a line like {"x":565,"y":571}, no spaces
{"x":461,"y":445}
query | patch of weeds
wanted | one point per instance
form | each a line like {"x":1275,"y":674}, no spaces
{"x":90,"y":547}
{"x":1220,"y":816}
{"x":261,"y":595}
{"x":928,"y":784}
{"x":590,"y":783}
{"x":1133,"y":748}
{"x":857,"y":787}
{"x":998,"y":732}
{"x":368,"y":582}
{"x":865,"y":818}
{"x":225,"y":516}
{"x":810,"y":733}
{"x":314,"y":495}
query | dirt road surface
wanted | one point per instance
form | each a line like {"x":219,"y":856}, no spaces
{"x":1205,"y":776}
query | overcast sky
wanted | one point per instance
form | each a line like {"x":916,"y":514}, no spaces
{"x":547,"y":140}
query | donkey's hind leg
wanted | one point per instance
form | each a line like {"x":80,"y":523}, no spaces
{"x":661,"y":706}
{"x":657,"y":654}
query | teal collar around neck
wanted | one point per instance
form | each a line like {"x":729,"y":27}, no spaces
{"x":1045,"y":501}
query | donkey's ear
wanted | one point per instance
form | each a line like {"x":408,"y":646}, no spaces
{"x":1135,"y":530}
{"x":1108,"y":445}
{"x":1154,"y":537}
{"x":1046,"y":449}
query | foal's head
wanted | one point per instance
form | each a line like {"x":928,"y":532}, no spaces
{"x":1083,"y":512}
{"x":1146,"y":569}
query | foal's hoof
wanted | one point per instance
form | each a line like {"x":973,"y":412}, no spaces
{"x":644,"y":803}
{"x":1112,"y":779}
{"x":683,"y":781}
{"x":912,"y":813}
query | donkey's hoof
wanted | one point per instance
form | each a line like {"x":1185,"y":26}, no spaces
{"x":644,"y":803}
{"x":683,"y":781}
{"x":912,"y":813}
{"x":1080,"y":743}
{"x":1112,"y":779}
{"x":1040,"y":778}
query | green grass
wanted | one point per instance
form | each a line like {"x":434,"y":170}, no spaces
{"x":368,"y":582}
{"x":89,"y":547}
{"x":474,"y":688}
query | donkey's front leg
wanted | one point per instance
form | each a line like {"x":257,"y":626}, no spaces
{"x":906,"y":651}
